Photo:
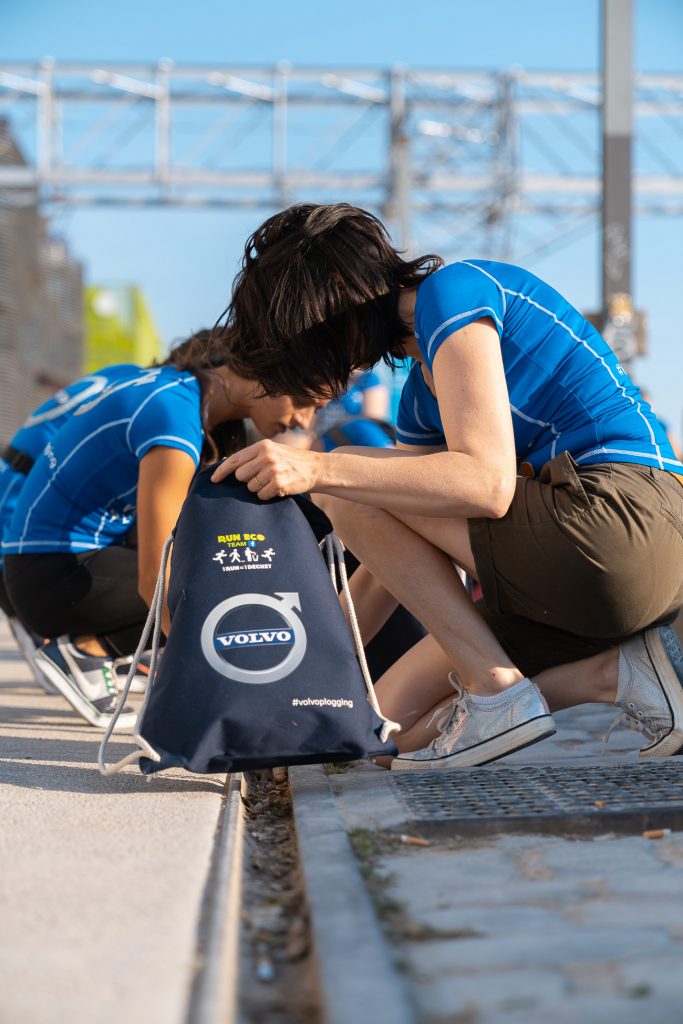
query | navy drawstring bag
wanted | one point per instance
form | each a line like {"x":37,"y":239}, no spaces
{"x":259,"y":668}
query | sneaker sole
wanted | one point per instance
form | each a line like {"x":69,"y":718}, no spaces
{"x":64,"y":685}
{"x":521,"y":736}
{"x":139,"y":685}
{"x":28,"y":651}
{"x":672,"y":743}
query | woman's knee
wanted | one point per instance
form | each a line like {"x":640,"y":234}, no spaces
{"x":343,"y":513}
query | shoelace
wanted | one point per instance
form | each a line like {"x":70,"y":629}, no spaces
{"x":446,"y":716}
{"x":636,"y":720}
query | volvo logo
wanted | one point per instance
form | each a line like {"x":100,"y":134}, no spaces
{"x":255,"y":638}
{"x":217,"y":643}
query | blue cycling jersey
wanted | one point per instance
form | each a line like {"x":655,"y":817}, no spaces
{"x":81,"y":493}
{"x":566,"y":388}
{"x":42,"y":425}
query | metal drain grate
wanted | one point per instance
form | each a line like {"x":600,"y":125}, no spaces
{"x":554,"y":800}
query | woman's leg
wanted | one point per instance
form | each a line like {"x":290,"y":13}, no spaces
{"x":87,"y":596}
{"x":417,"y":686}
{"x":421,"y":576}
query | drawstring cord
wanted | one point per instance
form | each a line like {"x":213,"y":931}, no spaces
{"x":334,"y":550}
{"x":153,"y":621}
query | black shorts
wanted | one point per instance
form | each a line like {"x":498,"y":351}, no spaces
{"x":90,"y":593}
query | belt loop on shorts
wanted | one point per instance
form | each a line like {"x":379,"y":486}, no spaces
{"x":561,"y":472}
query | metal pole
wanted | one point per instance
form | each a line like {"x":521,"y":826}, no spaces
{"x":617,"y":113}
{"x":279,"y":158}
{"x":162,"y":103}
{"x":398,"y":205}
{"x":45,"y":124}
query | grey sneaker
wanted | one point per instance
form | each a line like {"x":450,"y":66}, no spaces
{"x":651,"y":689}
{"x":85,"y":681}
{"x":471,"y":734}
{"x":28,"y":643}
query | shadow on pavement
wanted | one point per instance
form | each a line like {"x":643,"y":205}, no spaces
{"x":70,"y":766}
{"x":38,"y":715}
{"x":9,"y":654}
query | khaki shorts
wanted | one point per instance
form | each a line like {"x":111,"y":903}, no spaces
{"x":584,"y":558}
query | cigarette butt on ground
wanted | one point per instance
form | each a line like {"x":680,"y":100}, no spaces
{"x":414,"y":840}
{"x":656,"y":833}
{"x":598,"y":803}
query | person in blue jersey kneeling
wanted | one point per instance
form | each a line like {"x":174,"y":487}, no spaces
{"x":83,"y":544}
{"x":526,"y":456}
{"x":16,"y":463}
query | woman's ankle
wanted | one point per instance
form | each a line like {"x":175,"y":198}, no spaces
{"x":89,"y":645}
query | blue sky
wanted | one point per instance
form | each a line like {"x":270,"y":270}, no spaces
{"x":185,"y":260}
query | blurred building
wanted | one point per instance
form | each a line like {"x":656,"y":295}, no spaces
{"x":41,"y":308}
{"x":118,"y":328}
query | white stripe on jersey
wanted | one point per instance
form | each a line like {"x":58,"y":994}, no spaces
{"x":424,"y":437}
{"x":98,"y":385}
{"x":105,"y":514}
{"x":582,"y":341}
{"x":19,"y":545}
{"x":424,"y":426}
{"x":150,"y":377}
{"x":52,"y":478}
{"x":626,"y":451}
{"x":164,"y":387}
{"x":540,"y":423}
{"x":168,"y":437}
{"x":492,"y":278}
{"x":147,"y":376}
{"x":460,"y":316}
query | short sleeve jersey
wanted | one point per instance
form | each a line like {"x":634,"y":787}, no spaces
{"x":567,"y":389}
{"x":81,"y":493}
{"x":42,"y":425}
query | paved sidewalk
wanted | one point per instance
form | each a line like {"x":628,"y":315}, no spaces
{"x":100,"y":879}
{"x":528,"y":929}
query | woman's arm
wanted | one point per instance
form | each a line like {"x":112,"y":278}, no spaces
{"x":164,"y":479}
{"x":475,"y":477}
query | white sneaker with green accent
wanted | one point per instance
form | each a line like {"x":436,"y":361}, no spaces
{"x":475,"y":730}
{"x":121,"y":668}
{"x":29,"y":644}
{"x":86,"y":681}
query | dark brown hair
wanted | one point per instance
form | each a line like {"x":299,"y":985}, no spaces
{"x":198,"y":354}
{"x":316,"y":298}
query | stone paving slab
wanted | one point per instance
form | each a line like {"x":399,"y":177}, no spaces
{"x":100,"y":879}
{"x":508,"y":929}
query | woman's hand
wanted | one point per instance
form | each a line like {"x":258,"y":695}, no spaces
{"x":272,"y":470}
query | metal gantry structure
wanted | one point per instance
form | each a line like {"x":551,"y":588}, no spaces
{"x":507,"y":163}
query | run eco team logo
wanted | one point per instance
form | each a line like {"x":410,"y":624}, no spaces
{"x":219,"y":643}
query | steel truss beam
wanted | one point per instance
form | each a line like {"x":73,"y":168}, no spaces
{"x":491,"y":156}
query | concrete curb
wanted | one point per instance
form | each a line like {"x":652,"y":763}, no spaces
{"x":213,"y":996}
{"x":358,"y":980}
